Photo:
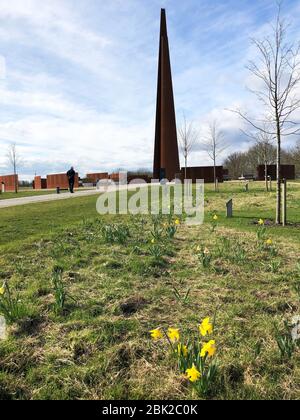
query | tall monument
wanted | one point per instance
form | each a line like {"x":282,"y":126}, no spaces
{"x":166,"y":155}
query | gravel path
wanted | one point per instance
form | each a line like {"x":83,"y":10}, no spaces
{"x":13,"y":202}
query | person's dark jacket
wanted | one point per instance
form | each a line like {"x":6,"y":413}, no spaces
{"x":71,"y":175}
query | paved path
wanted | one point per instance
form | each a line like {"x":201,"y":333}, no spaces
{"x":13,"y":202}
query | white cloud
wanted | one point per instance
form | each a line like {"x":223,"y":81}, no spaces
{"x":2,"y":68}
{"x":80,"y":84}
{"x":55,"y":28}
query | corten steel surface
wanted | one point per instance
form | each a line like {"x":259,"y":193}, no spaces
{"x":97,"y":176}
{"x":40,"y":183}
{"x":10,"y":182}
{"x":204,"y":172}
{"x":61,"y":181}
{"x":287,"y":172}
{"x":166,"y":154}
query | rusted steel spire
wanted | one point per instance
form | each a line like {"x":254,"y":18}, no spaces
{"x":166,"y":155}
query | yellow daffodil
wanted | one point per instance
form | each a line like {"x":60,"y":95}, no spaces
{"x":156,"y":334}
{"x":209,"y":348}
{"x":153,"y":241}
{"x":261,"y":222}
{"x":198,"y":249}
{"x":215,"y":218}
{"x":193,"y":374}
{"x":206,"y":327}
{"x":182,"y":350}
{"x":269,"y":242}
{"x":173,"y":334}
{"x":206,"y":251}
{"x":2,"y":290}
{"x":177,"y":222}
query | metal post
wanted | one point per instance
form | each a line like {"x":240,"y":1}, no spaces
{"x":284,"y":203}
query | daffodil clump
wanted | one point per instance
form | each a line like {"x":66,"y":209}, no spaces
{"x":270,"y":247}
{"x":163,"y":231}
{"x":156,"y":251}
{"x":164,"y":228}
{"x":10,"y":305}
{"x":2,"y":290}
{"x":261,"y":232}
{"x":195,"y":357}
{"x":172,"y":227}
{"x":157,"y":334}
{"x":264,"y":242}
{"x":116,"y":233}
{"x":204,"y":256}
{"x":157,"y":232}
{"x":214,"y":222}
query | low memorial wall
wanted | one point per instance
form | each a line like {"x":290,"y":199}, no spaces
{"x":60,"y":181}
{"x":10,"y":182}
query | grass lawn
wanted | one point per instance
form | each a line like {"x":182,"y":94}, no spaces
{"x":25,"y":193}
{"x":88,"y":338}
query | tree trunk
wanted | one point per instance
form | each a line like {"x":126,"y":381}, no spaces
{"x":278,"y":175}
{"x":185,"y":170}
{"x":215,"y":175}
{"x":16,"y":182}
{"x":266,"y":176}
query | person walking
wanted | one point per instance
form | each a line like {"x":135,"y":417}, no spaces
{"x":71,"y":177}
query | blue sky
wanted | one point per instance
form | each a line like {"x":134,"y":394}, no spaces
{"x":78,"y":77}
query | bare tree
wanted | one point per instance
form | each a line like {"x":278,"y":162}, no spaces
{"x":236,"y":164}
{"x":294,"y":157}
{"x":13,"y":160}
{"x":214,"y":144}
{"x":278,"y":70}
{"x":188,"y":137}
{"x":263,"y":151}
{"x":297,"y":157}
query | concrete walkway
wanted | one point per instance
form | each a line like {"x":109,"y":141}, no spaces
{"x":13,"y":202}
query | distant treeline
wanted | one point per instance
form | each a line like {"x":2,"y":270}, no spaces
{"x":241,"y":163}
{"x":25,"y":184}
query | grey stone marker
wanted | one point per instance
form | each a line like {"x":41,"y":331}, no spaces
{"x":247,"y":187}
{"x":229,"y":209}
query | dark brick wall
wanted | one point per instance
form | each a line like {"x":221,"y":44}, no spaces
{"x":204,"y":172}
{"x":287,"y":172}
